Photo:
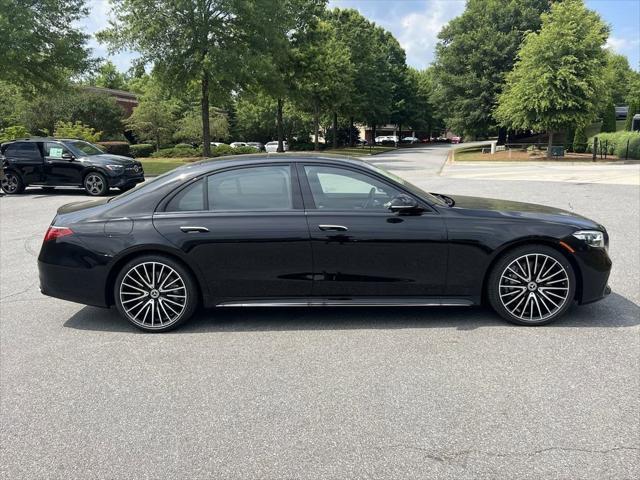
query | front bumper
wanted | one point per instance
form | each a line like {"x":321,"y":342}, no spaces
{"x":126,"y":180}
{"x":594,"y":266}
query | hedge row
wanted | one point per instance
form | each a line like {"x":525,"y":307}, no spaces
{"x":616,"y":143}
{"x":142,"y":150}
{"x":116,"y":148}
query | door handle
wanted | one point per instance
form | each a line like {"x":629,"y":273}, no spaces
{"x":333,"y":228}
{"x":194,"y":229}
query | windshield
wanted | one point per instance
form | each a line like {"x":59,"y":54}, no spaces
{"x":409,"y":186}
{"x":83,"y":148}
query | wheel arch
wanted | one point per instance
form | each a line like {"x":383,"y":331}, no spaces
{"x":547,"y":242}
{"x":126,"y":257}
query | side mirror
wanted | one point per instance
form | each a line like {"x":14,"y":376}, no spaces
{"x":68,"y":156}
{"x":404,"y":204}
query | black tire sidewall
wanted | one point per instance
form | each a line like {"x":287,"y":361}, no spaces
{"x":105,"y":189}
{"x":505,"y":259}
{"x":21,"y":185}
{"x":190,"y":284}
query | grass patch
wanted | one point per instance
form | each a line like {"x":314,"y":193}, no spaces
{"x":158,"y":166}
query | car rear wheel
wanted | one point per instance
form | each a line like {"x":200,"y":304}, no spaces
{"x":12,"y":184}
{"x":155,"y":293}
{"x":531,"y":285}
{"x":96,"y":184}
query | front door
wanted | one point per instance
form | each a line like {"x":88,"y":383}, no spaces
{"x":362,"y":249}
{"x":61,"y":169}
{"x":246,"y":229}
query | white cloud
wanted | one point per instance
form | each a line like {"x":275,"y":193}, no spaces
{"x":622,"y":44}
{"x":418,"y":31}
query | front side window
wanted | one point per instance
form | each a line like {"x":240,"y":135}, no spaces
{"x":53,"y":150}
{"x":254,"y":188}
{"x":342,"y":189}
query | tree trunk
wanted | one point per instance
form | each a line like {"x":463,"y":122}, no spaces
{"x":351,"y":131}
{"x":550,"y":144}
{"x":502,"y":136}
{"x":335,"y":130}
{"x":373,"y":133}
{"x":206,"y":140}
{"x":399,"y":134}
{"x":316,"y":125}
{"x":279,"y":126}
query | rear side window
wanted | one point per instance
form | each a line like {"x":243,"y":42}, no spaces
{"x":254,"y":188}
{"x":189,"y":199}
{"x":23,"y":151}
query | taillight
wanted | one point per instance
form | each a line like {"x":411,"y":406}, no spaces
{"x":56,"y":232}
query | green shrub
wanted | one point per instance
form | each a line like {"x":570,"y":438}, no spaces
{"x":222,"y":150}
{"x":177,"y":152}
{"x":580,"y":140}
{"x":301,"y":146}
{"x":116,"y":148}
{"x":142,"y":150}
{"x":609,"y":119}
{"x":76,"y":130}
{"x":13,"y":132}
{"x":183,"y":145}
{"x":634,"y":107}
{"x":616,"y":143}
{"x":244,"y":150}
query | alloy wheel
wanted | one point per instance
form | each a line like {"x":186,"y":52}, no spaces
{"x":153,"y":295}
{"x":94,"y":184}
{"x":534,"y":287}
{"x":10,"y":183}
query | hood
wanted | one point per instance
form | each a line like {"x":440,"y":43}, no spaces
{"x":110,"y":159}
{"x":505,"y":208}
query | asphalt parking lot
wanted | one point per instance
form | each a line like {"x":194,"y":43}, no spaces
{"x":334,"y":393}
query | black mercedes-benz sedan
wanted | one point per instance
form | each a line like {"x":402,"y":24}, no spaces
{"x":296,"y":230}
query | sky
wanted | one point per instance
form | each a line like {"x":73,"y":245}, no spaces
{"x":416,"y":23}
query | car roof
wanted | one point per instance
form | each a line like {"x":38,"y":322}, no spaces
{"x":212,"y":164}
{"x":44,"y":139}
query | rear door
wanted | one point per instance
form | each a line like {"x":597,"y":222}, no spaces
{"x":246,"y":229}
{"x":25,"y":157}
{"x":61,"y":169}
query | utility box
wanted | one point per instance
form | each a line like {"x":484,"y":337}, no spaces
{"x":557,"y":151}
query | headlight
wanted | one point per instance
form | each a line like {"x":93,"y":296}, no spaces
{"x":593,"y":238}
{"x":115,"y":168}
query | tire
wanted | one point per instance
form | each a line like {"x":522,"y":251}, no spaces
{"x":153,"y":309}
{"x":95,"y":184}
{"x":12,"y":183}
{"x":531,"y":285}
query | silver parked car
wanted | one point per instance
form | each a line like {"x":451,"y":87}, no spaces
{"x":272,"y":147}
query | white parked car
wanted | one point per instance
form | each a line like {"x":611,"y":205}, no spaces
{"x":387,"y":139}
{"x":217,"y":144}
{"x":410,"y":140}
{"x":238,"y":144}
{"x":272,"y":147}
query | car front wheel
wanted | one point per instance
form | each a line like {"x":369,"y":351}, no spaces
{"x":155,"y":293}
{"x":96,"y":184}
{"x":532,"y":285}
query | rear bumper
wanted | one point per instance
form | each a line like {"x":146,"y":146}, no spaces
{"x":74,"y":284}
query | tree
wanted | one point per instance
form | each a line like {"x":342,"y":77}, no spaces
{"x":609,"y":119}
{"x":473,"y":55}
{"x":557,"y":80}
{"x":76,"y":130}
{"x":634,"y":107}
{"x":190,"y":126}
{"x":618,"y":76}
{"x":206,"y":42}
{"x":42,"y":44}
{"x":153,"y":120}
{"x":324,"y":70}
{"x":108,"y":76}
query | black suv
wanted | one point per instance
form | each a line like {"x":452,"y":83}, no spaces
{"x":56,"y":162}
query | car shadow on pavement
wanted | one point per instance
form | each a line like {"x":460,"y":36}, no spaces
{"x":615,"y":311}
